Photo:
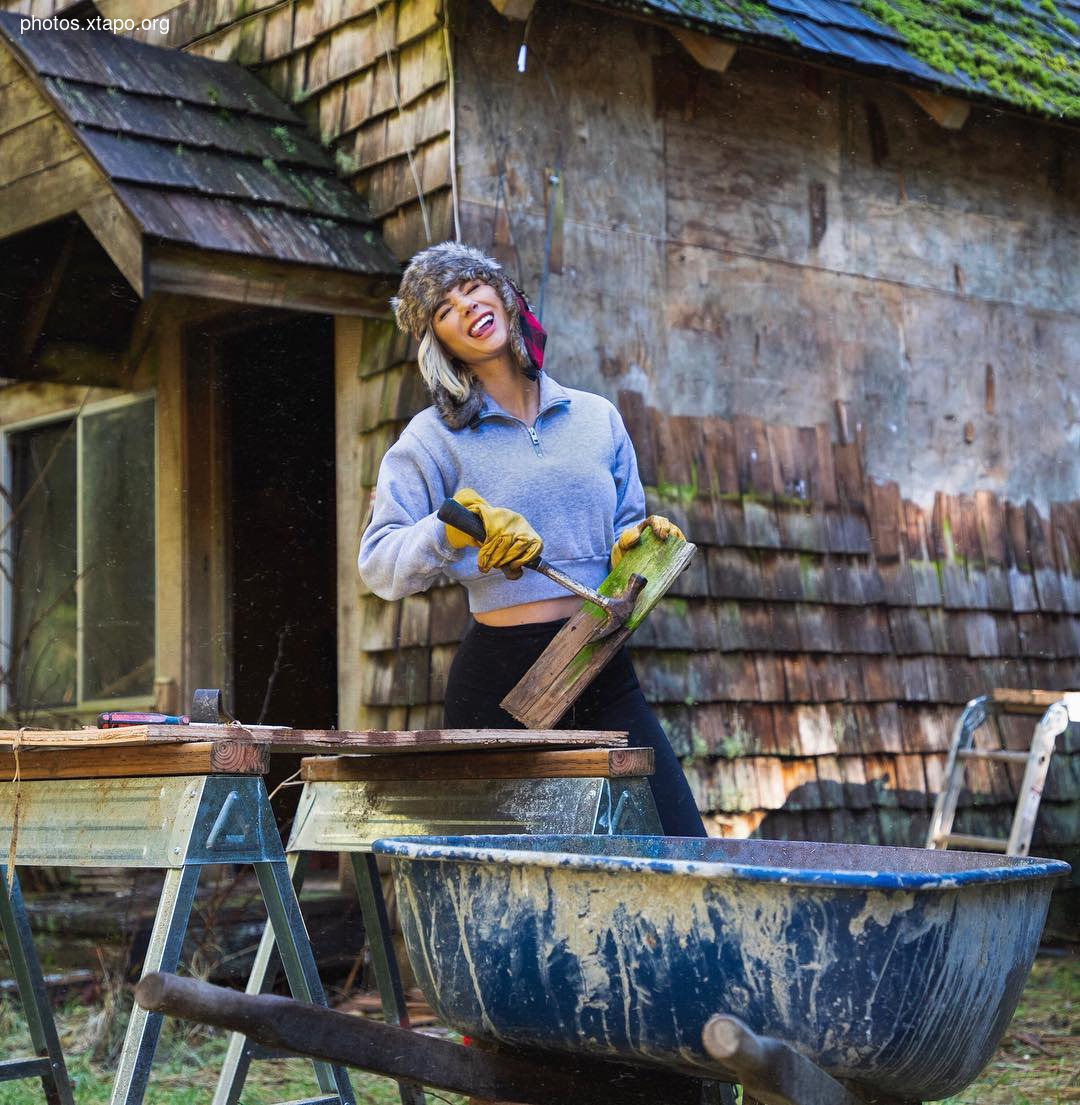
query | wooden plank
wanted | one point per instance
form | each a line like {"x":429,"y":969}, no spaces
{"x":1026,"y":701}
{"x":262,"y":282}
{"x":190,"y":758}
{"x":49,"y":194}
{"x":395,"y":742}
{"x":21,"y":102}
{"x":585,"y":763}
{"x":574,"y":657}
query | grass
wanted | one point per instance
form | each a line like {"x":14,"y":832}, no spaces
{"x":1038,"y":1062}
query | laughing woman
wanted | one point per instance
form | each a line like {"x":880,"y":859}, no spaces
{"x":529,"y":457}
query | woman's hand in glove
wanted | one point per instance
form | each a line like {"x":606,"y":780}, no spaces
{"x":509,"y":543}
{"x":662,"y":527}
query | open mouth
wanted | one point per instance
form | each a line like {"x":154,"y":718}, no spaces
{"x":482,"y":326}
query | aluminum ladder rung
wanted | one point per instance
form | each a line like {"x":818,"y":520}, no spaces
{"x":29,"y":1067}
{"x":999,"y":754}
{"x":326,"y":1099}
{"x":980,"y":843}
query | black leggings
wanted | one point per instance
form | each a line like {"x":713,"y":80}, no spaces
{"x":492,"y":659}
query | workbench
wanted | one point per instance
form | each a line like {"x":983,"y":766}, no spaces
{"x":350,"y":801}
{"x":179,"y":798}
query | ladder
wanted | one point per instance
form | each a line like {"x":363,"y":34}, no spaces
{"x":1057,"y":708}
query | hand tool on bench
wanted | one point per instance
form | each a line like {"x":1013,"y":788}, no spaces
{"x":616,"y":609}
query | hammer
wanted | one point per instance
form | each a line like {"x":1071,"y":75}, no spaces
{"x":616,"y":610}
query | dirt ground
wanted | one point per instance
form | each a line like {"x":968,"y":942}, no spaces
{"x":1038,"y":1062}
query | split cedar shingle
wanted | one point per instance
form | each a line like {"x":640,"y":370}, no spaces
{"x":1047,"y":582}
{"x":441,"y":658}
{"x":449,"y":614}
{"x":885,"y":511}
{"x":911,"y":782}
{"x":734,"y":574}
{"x":800,"y":785}
{"x":913,"y":678}
{"x":830,"y":782}
{"x":770,"y":678}
{"x":881,"y":779}
{"x":379,"y":622}
{"x":926,"y":729}
{"x":815,"y":731}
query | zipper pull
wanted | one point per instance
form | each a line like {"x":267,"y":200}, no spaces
{"x":535,"y":440}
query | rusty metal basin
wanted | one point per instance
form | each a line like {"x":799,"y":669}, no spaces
{"x":897,"y":968}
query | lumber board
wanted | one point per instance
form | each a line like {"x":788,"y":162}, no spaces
{"x":575,"y":656}
{"x":281,"y":739}
{"x":395,"y":742}
{"x":189,"y":758}
{"x":1026,"y":702}
{"x":576,"y":763}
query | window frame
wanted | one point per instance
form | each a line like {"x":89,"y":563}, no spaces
{"x":81,"y":707}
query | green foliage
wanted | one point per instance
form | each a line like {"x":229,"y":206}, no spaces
{"x":1021,"y":59}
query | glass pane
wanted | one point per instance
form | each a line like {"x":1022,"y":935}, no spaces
{"x":43,"y":570}
{"x":118,"y":551}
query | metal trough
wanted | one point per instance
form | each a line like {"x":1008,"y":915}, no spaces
{"x":896,"y":969}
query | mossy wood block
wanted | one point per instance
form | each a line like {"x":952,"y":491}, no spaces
{"x":577,"y":654}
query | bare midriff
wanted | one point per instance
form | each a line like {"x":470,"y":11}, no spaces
{"x":545,"y":610}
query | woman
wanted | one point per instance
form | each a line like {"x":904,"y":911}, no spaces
{"x":518,"y":450}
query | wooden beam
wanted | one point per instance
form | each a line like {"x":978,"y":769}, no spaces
{"x":119,"y":235}
{"x":514,"y":9}
{"x":49,"y":194}
{"x":259,"y":282}
{"x":947,"y":111}
{"x":709,"y":52}
{"x":282,"y":739}
{"x":201,"y":758}
{"x":579,"y":763}
{"x":576,"y":654}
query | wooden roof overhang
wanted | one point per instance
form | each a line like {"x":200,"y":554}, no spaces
{"x":193,"y":176}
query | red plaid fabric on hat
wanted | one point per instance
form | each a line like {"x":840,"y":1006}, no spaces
{"x":532,"y":333}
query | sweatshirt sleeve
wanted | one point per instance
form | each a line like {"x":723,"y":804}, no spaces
{"x":630,"y":496}
{"x":404,"y":547}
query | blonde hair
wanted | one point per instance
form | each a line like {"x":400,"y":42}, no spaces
{"x":438,"y":370}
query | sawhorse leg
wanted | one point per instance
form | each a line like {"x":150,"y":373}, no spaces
{"x":49,"y":1063}
{"x":163,"y":954}
{"x":381,"y":942}
{"x":280,"y":885}
{"x":377,"y":930}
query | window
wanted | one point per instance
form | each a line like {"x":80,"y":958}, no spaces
{"x":78,"y":561}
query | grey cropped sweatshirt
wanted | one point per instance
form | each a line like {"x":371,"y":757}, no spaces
{"x":573,"y":474}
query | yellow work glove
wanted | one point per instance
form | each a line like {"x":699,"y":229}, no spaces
{"x":510,"y":540}
{"x":661,"y":526}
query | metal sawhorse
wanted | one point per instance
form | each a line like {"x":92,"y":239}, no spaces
{"x":177,"y":824}
{"x":342,"y":811}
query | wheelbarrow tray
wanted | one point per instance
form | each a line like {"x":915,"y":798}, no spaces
{"x":895,"y":968}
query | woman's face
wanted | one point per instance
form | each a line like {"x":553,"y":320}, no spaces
{"x":470,"y":321}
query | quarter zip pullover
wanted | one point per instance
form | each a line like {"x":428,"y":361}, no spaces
{"x":573,"y":474}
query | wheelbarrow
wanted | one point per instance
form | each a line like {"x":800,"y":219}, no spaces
{"x":662,"y":970}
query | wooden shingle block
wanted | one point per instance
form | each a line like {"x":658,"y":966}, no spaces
{"x":796,"y":679}
{"x":911,"y":781}
{"x":857,"y":792}
{"x":883,"y":732}
{"x":885,"y":512}
{"x":815,"y":731}
{"x":734,"y":573}
{"x":817,"y":628}
{"x":881,"y":778}
{"x":800,"y":785}
{"x":830,"y":782}
{"x":784,"y":628}
{"x":576,"y":654}
{"x":770,"y":678}
{"x":913,"y":679}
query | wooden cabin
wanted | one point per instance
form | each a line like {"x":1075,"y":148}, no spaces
{"x":822,"y":253}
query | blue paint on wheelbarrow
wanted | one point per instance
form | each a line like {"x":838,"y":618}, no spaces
{"x":898,"y":968}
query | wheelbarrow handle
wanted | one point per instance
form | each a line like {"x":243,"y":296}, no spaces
{"x":282,"y":1024}
{"x":771,"y":1071}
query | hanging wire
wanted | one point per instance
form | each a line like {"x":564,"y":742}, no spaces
{"x":455,"y":202}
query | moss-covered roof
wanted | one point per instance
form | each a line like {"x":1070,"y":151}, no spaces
{"x":1021,"y":53}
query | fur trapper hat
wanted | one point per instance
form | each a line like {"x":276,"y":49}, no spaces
{"x":428,"y":277}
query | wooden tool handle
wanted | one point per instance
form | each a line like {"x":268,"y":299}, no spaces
{"x":454,"y":514}
{"x":321,"y":1033}
{"x":771,"y":1071}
